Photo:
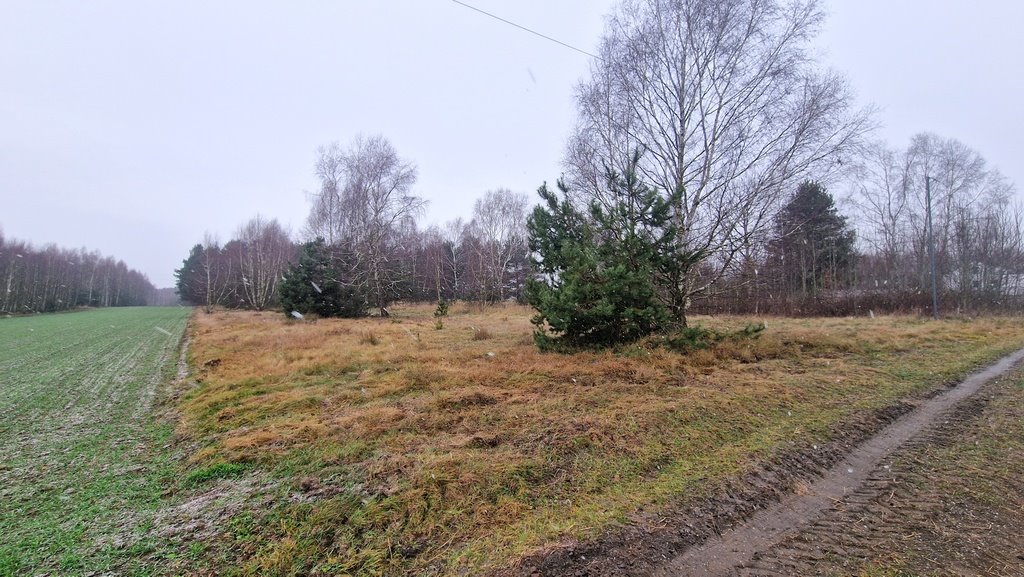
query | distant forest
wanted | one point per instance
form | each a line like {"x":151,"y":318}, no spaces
{"x":813,"y":256}
{"x":50,"y":279}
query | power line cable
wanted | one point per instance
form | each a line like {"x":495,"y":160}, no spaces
{"x":524,"y":28}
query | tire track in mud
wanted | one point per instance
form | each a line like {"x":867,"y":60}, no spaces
{"x":828,"y":519}
{"x":905,"y":506}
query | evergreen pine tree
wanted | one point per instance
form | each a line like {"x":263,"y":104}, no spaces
{"x":188,"y":278}
{"x":315,"y":284}
{"x":813,"y":245}
{"x":596,"y":275}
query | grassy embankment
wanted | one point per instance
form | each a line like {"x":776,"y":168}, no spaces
{"x":82,"y":463}
{"x":404,"y":449}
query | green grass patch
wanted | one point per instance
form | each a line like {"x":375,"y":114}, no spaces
{"x":82,"y":463}
{"x":213,"y":472}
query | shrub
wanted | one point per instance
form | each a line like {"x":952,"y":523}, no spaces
{"x":690,"y":339}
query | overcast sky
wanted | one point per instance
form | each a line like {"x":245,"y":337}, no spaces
{"x":134,"y":127}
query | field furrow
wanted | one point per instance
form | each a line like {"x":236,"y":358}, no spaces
{"x":81,"y":462}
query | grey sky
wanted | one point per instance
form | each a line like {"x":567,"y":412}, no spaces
{"x":132,"y":128}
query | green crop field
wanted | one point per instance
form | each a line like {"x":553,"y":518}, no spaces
{"x":82,"y":460}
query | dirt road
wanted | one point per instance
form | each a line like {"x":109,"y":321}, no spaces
{"x":767,"y":544}
{"x":949,"y":502}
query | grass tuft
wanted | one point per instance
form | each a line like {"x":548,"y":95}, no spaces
{"x":213,"y":472}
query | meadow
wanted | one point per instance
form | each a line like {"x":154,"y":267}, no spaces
{"x":406,"y":446}
{"x":400,"y":446}
{"x":84,"y":464}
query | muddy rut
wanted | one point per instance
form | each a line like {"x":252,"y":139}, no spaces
{"x":740,"y":550}
{"x":950,"y":502}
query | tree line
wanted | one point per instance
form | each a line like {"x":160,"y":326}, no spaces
{"x":362,"y":247}
{"x":812,"y":265}
{"x":50,"y":279}
{"x":696,"y":179}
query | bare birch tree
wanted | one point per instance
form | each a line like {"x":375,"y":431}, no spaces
{"x":974,"y":219}
{"x":37,"y":280}
{"x":499,"y":223}
{"x":326,"y":217}
{"x":216,"y":273}
{"x":724,"y":99}
{"x":963,"y":187}
{"x":882,"y":189}
{"x":376,"y":201}
{"x":454,"y":235}
{"x":264,"y":252}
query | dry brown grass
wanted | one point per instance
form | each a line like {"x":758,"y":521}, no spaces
{"x":482,"y":334}
{"x":448,"y":450}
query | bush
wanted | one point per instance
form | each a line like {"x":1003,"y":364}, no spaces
{"x":689,"y":339}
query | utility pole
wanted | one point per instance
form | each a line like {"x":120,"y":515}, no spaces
{"x":931,"y":247}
